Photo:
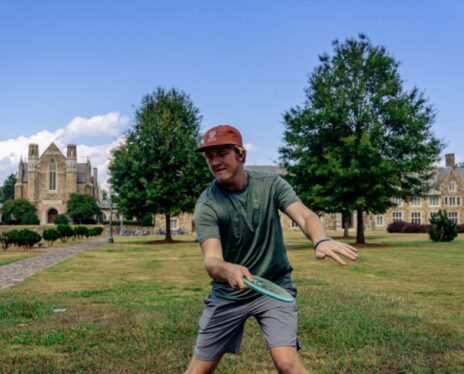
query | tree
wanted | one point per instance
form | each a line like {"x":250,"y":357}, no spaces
{"x":8,"y":188}
{"x":360,"y":139}
{"x":17,"y":211}
{"x":156,"y":170}
{"x":81,"y":208}
{"x":443,"y":229}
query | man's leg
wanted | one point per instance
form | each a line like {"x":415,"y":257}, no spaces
{"x":197,"y":366}
{"x":286,"y":360}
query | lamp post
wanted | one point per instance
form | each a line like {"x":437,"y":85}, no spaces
{"x":110,"y":239}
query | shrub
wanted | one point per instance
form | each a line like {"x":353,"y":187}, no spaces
{"x":460,"y":228}
{"x":9,"y":238}
{"x":65,"y":232}
{"x":50,"y":235}
{"x":81,"y":231}
{"x":98,"y":230}
{"x":6,"y":239}
{"x":30,"y":218}
{"x":443,"y":229}
{"x":27,"y":238}
{"x":407,"y":227}
{"x":397,"y":226}
{"x":61,"y":219}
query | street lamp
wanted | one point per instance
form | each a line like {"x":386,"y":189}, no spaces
{"x":110,"y":239}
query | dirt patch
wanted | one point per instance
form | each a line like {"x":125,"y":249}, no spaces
{"x":370,"y":245}
{"x":164,"y":241}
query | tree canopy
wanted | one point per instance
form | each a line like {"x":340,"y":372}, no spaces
{"x":82,"y":208}
{"x":19,"y":211}
{"x":8,"y":188}
{"x":360,"y":138}
{"x":157,"y":170}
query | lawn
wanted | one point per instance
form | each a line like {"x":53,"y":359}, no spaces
{"x":133,"y":308}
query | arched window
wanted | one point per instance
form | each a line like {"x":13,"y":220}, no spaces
{"x":52,"y":175}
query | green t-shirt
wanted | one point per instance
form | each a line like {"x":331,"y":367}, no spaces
{"x":248,"y":225}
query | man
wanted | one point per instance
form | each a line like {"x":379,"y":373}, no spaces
{"x":239,"y":231}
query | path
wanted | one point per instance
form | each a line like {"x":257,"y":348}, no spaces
{"x":16,"y":272}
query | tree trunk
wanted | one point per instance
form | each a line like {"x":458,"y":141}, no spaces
{"x":346,"y":224}
{"x":168,"y":228}
{"x":360,"y":227}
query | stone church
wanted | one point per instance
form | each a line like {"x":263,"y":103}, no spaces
{"x":48,"y":180}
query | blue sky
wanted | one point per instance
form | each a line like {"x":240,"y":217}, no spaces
{"x":73,"y":71}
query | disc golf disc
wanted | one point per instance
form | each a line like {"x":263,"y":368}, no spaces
{"x":269,"y":288}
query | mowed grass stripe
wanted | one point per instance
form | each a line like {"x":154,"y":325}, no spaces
{"x":133,"y":307}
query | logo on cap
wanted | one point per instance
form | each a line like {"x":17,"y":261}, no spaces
{"x":212,"y":136}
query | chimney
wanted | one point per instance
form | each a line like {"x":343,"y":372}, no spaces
{"x":449,"y":159}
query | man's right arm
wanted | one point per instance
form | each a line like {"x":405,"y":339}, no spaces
{"x":220,"y":270}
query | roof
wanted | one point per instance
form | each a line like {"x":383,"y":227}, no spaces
{"x":266,"y":169}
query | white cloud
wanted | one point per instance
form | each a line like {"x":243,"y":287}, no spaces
{"x":110,"y":124}
{"x":250,"y":147}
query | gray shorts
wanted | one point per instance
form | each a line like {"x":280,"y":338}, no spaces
{"x":221,"y":325}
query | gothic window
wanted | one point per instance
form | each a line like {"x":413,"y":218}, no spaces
{"x":52,"y":175}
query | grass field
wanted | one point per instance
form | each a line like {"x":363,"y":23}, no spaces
{"x":134,"y":308}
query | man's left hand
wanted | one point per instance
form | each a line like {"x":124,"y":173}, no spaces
{"x":333,"y":249}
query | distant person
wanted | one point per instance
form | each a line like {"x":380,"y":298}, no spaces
{"x":238,"y":228}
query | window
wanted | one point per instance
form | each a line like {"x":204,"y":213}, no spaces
{"x":397,"y":201}
{"x":379,"y":221}
{"x":173,"y":223}
{"x":452,"y":200}
{"x":52,"y":175}
{"x":416,"y":217}
{"x":397,"y":216}
{"x":452,"y":186}
{"x":294,"y":225}
{"x":434,"y":201}
{"x":416,"y":201}
{"x":453,"y":216}
{"x":432,"y":214}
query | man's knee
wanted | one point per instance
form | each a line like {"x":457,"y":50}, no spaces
{"x":286,"y":360}
{"x":201,"y":367}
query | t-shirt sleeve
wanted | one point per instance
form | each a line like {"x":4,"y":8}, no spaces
{"x":285,"y":195}
{"x":206,"y":222}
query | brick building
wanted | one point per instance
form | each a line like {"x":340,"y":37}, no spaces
{"x":49,"y":179}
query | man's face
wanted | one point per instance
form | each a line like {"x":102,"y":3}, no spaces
{"x":224,"y":163}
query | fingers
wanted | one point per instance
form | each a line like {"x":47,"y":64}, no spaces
{"x":333,"y":249}
{"x":236,"y":274}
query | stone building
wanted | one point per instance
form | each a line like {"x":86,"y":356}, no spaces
{"x":446,"y":193}
{"x":49,"y":179}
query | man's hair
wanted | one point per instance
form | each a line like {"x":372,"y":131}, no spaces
{"x":240,"y":151}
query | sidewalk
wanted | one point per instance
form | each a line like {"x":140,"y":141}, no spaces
{"x":16,"y":272}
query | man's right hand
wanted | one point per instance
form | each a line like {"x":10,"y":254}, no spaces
{"x":234,"y":275}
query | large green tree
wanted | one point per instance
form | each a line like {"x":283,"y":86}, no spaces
{"x":156,"y":169}
{"x":8,"y":188}
{"x":82,"y":208}
{"x":19,"y":211}
{"x":360,"y":138}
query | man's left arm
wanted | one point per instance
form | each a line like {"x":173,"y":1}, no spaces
{"x":312,"y":227}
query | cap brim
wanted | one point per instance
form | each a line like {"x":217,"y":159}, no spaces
{"x":205,"y":147}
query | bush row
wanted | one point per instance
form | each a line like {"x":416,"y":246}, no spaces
{"x":27,"y":238}
{"x":407,"y":227}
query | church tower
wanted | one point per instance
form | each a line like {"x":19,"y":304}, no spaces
{"x":71,"y":169}
{"x":33,"y":174}
{"x":19,"y":181}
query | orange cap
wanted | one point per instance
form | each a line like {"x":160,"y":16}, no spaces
{"x":221,"y":135}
